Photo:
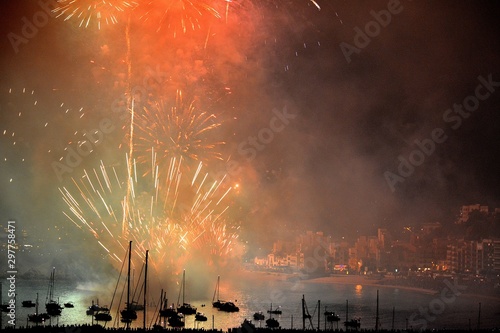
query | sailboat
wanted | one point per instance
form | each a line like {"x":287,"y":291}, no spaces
{"x":128,"y":314}
{"x":222,"y":305}
{"x":229,"y":307}
{"x":176,"y":320}
{"x":200,"y":317}
{"x":100,"y":313}
{"x":94,"y":308}
{"x":275,"y":311}
{"x":103,"y":316}
{"x":331,"y":316}
{"x":259,"y":316}
{"x":353,"y":323}
{"x":28,"y":304}
{"x":52,"y":307}
{"x":271,"y":322}
{"x":38,"y":317}
{"x":166,"y":311}
{"x":217,"y":303}
{"x":185,"y":308}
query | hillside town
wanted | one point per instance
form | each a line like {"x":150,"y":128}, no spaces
{"x":470,"y":247}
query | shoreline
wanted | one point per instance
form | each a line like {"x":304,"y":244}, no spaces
{"x":356,"y":279}
{"x":364,"y":281}
{"x":360,"y":280}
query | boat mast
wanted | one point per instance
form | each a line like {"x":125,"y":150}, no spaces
{"x":218,"y":287}
{"x":51,"y":293}
{"x":303,"y":314}
{"x":128,"y":274}
{"x":306,"y":314}
{"x":145,"y":289}
{"x":319,"y":308}
{"x":376,"y":316}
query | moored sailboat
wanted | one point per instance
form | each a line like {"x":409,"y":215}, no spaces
{"x":185,"y":308}
{"x":166,"y":311}
{"x":28,"y":304}
{"x":200,"y":317}
{"x":217,"y":303}
{"x":37,"y":317}
{"x":128,"y":314}
{"x":271,"y":322}
{"x":52,"y":307}
{"x":222,"y":305}
{"x":259,"y":316}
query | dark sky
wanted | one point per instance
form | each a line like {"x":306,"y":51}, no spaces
{"x":350,"y":118}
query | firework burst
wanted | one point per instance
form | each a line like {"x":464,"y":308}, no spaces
{"x":180,"y":131}
{"x":171,"y":223}
{"x":88,"y":11}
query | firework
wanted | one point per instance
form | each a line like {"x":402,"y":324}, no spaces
{"x":171,"y":223}
{"x":19,"y":118}
{"x":87,"y":11}
{"x":213,"y":236}
{"x":180,"y":131}
{"x":26,"y":119}
{"x":178,"y":16}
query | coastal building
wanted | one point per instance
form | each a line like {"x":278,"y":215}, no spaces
{"x":424,"y":247}
{"x":368,"y":251}
{"x":340,"y":253}
{"x":485,"y":256}
{"x":404,"y":255}
{"x":475,"y":257}
{"x":466,"y":210}
{"x":496,"y":255}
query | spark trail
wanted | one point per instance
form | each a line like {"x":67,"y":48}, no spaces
{"x":181,"y":130}
{"x":187,"y":217}
{"x":88,"y":11}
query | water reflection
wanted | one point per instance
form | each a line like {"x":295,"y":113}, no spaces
{"x":256,"y":293}
{"x":358,"y":290}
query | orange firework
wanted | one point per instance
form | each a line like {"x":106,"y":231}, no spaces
{"x":178,"y":16}
{"x":172,"y":222}
{"x":87,"y":11}
{"x":179,"y":130}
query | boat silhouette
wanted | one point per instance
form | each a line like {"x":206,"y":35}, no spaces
{"x":176,"y":321}
{"x":185,"y":308}
{"x":259,"y":316}
{"x":200,"y":317}
{"x":222,"y":305}
{"x":37,"y":317}
{"x":28,"y":304}
{"x":271,"y":322}
{"x":128,"y":314}
{"x":52,"y":307}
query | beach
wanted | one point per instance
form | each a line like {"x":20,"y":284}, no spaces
{"x":364,"y":281}
{"x":433,"y":287}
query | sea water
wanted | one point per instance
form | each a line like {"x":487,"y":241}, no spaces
{"x":253,"y":292}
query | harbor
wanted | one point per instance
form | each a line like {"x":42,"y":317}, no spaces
{"x":257,"y":292}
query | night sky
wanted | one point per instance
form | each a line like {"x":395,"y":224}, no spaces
{"x":318,"y":103}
